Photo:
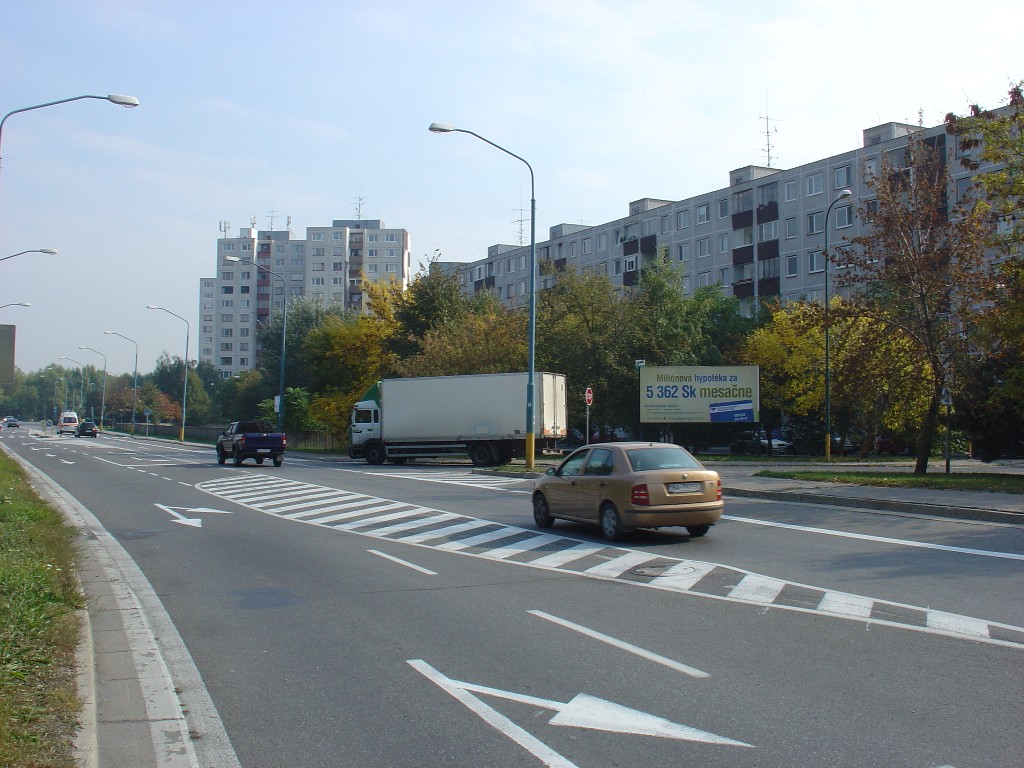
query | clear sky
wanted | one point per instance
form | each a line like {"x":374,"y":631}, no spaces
{"x":303,"y":109}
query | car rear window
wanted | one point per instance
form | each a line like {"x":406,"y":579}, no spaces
{"x":255,"y":426}
{"x":661,"y":457}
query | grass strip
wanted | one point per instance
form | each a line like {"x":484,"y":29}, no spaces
{"x":39,"y":629}
{"x":989,"y":482}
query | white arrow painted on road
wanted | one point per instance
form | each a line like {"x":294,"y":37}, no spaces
{"x":582,"y":711}
{"x":195,"y":522}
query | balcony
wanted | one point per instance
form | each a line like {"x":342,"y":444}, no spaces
{"x":630,"y":247}
{"x":767,"y":212}
{"x":649,"y":244}
{"x":742,"y":219}
{"x":483,"y":285}
{"x":743,"y":255}
{"x":768,"y":286}
{"x":743,"y":289}
{"x":630,"y":277}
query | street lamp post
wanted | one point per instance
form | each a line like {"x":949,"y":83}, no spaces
{"x":184,"y":389}
{"x":284,"y":331}
{"x":81,"y":381}
{"x":135,"y":383}
{"x":48,"y":251}
{"x":103,"y":400}
{"x":124,"y":101}
{"x":843,"y":194}
{"x":532,"y":324}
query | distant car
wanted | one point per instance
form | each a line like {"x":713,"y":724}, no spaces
{"x":68,"y":422}
{"x":86,"y":429}
{"x":892,"y":445}
{"x":629,"y":485}
{"x":754,"y":442}
{"x":10,"y":421}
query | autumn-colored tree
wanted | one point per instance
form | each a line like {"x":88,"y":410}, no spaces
{"x":920,"y":265}
{"x":434,"y":298}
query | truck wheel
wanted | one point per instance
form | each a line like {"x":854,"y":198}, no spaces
{"x":221,"y":458}
{"x":375,"y":454}
{"x":277,"y":460}
{"x":480,"y":454}
{"x":238,"y":458}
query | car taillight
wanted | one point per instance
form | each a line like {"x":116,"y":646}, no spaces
{"x":284,"y":441}
{"x":640,"y":496}
{"x":718,"y":493}
{"x":241,"y":442}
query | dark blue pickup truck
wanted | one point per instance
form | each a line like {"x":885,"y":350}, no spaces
{"x":251,"y":440}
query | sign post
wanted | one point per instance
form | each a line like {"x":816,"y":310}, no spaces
{"x":588,"y":397}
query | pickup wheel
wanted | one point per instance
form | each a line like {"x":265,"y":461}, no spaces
{"x":221,"y":458}
{"x":278,"y":459}
{"x":259,"y":459}
{"x":237,"y":457}
{"x":375,"y":454}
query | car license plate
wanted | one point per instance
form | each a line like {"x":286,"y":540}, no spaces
{"x":263,"y":450}
{"x":684,"y":487}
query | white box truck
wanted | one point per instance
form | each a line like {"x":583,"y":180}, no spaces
{"x":482,"y":416}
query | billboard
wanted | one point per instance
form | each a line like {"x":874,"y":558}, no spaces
{"x":699,"y":394}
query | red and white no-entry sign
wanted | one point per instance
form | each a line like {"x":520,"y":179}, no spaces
{"x":589,"y":396}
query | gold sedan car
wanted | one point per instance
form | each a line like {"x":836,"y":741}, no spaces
{"x":624,"y":486}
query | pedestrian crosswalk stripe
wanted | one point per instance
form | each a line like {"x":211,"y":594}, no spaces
{"x":418,"y":526}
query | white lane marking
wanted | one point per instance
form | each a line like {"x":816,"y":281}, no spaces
{"x":307,"y":500}
{"x":518,"y":547}
{"x":472,"y":541}
{"x":409,"y":511}
{"x":402,"y":562}
{"x":361,"y":501}
{"x":757,"y":588}
{"x":585,"y":711}
{"x":622,"y":645}
{"x":620,"y":564}
{"x":843,"y":604}
{"x":685,"y":574}
{"x":471,"y":525}
{"x":496,"y":720}
{"x":879,"y":539}
{"x":950,"y":622}
{"x":565,"y":556}
{"x":415,"y":524}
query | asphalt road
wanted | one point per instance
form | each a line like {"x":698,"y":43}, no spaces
{"x":346,"y":615}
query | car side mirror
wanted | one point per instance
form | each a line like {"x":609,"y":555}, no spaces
{"x":551,"y":471}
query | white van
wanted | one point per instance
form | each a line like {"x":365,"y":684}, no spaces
{"x":68,"y":422}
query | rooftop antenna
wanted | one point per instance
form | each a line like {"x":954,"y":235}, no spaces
{"x":289,"y":226}
{"x":359,"y":208}
{"x":520,"y":221}
{"x":252,"y":222}
{"x":271,"y":215}
{"x":224,"y":227}
{"x":769,"y":129}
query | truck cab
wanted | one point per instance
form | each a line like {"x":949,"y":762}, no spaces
{"x":365,"y":426}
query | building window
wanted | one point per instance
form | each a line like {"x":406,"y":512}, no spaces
{"x":743,"y":236}
{"x":227,"y":275}
{"x":317,"y":236}
{"x":226,"y":332}
{"x":572,"y":250}
{"x":683,"y":251}
{"x":227,"y":318}
{"x":243,"y":361}
{"x":391,"y":268}
{"x":588,"y":246}
{"x":683,"y":219}
{"x":246,"y":246}
{"x":371,"y":269}
{"x":723,"y":208}
{"x":743,"y":201}
{"x":842,"y":177}
{"x":768,"y":194}
{"x":723,"y":243}
{"x":337,"y":266}
{"x":337,"y":235}
{"x":815,"y":262}
{"x":296,"y":262}
{"x":390,"y":253}
{"x":317,"y":281}
{"x":815,"y":223}
{"x":665,"y":225}
{"x":703,"y":279}
{"x":371,"y":238}
{"x":815,"y":184}
{"x":390,"y":237}
{"x":318,"y":251}
{"x":296,"y":248}
{"x":225,"y":361}
{"x":703,"y":247}
{"x":225,"y":289}
{"x":227,"y":246}
{"x":844,"y":216}
{"x":769,"y":230}
{"x":371,"y":253}
{"x":225,"y":346}
{"x":227,"y":303}
{"x":602,"y":242}
{"x":703,"y":213}
{"x":790,"y":190}
{"x":522,"y":262}
{"x":792,"y":230}
{"x":318,"y":266}
{"x":792,"y":264}
{"x":768,"y":268}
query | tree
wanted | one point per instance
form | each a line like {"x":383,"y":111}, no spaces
{"x":921,"y":267}
{"x":433,"y":299}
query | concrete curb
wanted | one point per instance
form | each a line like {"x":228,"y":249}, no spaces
{"x":885,"y":505}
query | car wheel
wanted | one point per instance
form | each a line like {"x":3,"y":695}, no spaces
{"x":541,"y":514}
{"x":259,"y":460}
{"x":278,"y":460}
{"x":696,"y":531}
{"x":611,"y":522}
{"x":237,"y":457}
{"x":221,"y":458}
